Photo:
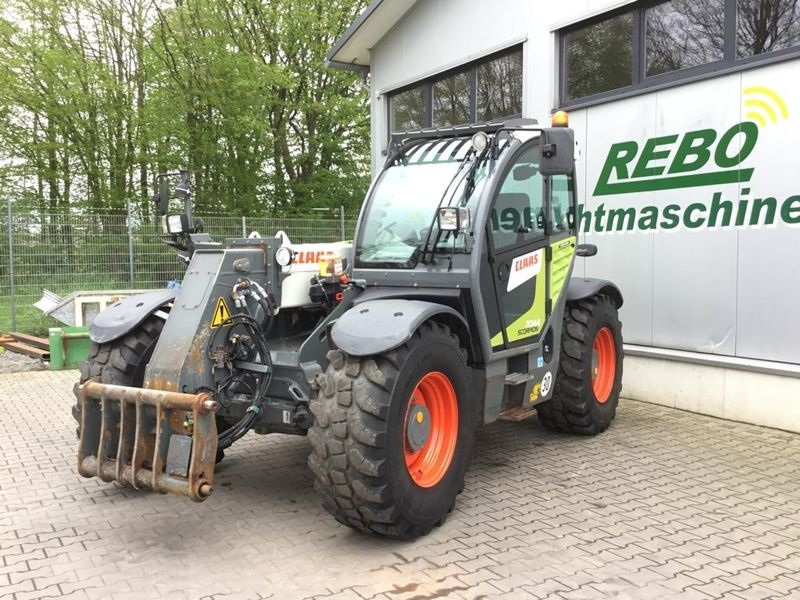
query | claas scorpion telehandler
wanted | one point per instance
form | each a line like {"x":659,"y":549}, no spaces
{"x":454,"y":306}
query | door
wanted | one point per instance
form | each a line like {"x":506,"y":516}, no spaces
{"x":527,"y":233}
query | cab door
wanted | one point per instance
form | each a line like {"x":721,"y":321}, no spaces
{"x":516,"y":262}
{"x":562,"y":235}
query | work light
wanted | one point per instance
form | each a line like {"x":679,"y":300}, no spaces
{"x":174,"y":224}
{"x":284,"y":256}
{"x":453,"y":218}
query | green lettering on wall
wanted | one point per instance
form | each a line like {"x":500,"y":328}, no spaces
{"x":771,"y":204}
{"x":650,"y":153}
{"x":691,"y":222}
{"x":790,"y":210}
{"x":619,"y":155}
{"x":694,"y":151}
{"x":717,"y":205}
{"x":723,"y":157}
{"x":671,"y":183}
{"x":623,"y":217}
{"x":649,"y":218}
{"x":671,"y":218}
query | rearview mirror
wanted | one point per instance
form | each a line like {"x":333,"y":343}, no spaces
{"x":557,"y":151}
{"x":523,"y":172}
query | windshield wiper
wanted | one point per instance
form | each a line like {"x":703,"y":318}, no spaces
{"x":421,"y":251}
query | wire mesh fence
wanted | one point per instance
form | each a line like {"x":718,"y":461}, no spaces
{"x":69,"y":253}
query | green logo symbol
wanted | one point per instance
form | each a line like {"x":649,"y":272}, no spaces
{"x":629,"y":168}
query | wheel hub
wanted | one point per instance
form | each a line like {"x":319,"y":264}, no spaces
{"x":604,"y":364}
{"x":418,"y":427}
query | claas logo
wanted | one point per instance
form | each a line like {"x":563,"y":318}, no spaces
{"x":525,"y":262}
{"x":311,"y":256}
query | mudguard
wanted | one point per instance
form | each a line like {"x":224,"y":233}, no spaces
{"x":377,"y":326}
{"x":123,"y":316}
{"x":583,"y":287}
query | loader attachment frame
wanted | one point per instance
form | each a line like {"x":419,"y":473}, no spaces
{"x":147,"y":438}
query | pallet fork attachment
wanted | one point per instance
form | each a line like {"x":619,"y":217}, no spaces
{"x":146,"y":438}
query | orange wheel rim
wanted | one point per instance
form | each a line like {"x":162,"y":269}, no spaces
{"x":430,"y":429}
{"x":604,"y":364}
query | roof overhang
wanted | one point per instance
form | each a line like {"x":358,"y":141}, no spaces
{"x":352,"y":50}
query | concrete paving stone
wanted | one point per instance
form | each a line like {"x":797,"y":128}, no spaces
{"x":545,"y":589}
{"x":756,"y":592}
{"x":13,"y":589}
{"x":783,"y":585}
{"x":718,"y":588}
{"x":784,"y":550}
{"x":765,"y":562}
{"x":34,"y":574}
{"x":665,"y":504}
{"x":706,"y":573}
{"x":691,"y":594}
{"x":744,"y":579}
{"x":51,"y":591}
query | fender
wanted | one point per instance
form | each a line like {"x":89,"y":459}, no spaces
{"x":123,"y":316}
{"x":583,"y":287}
{"x":377,"y":326}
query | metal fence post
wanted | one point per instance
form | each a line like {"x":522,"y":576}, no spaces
{"x":341,"y":222}
{"x":130,"y":241}
{"x":244,"y":226}
{"x":11,"y":269}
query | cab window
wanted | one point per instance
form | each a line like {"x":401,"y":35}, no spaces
{"x":561,"y":202}
{"x":517,"y":216}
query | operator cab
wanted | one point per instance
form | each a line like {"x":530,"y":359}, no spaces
{"x":488,"y":210}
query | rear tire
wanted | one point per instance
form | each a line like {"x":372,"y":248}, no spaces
{"x":589,"y":379}
{"x":366,"y":469}
{"x":121,"y":361}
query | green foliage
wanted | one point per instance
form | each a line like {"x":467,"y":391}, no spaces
{"x":97,"y":96}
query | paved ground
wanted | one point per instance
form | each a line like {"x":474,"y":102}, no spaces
{"x":665,"y":504}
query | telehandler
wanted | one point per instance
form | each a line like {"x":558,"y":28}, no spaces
{"x":453,"y":307}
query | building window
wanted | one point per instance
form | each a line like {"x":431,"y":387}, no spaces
{"x":599,"y":57}
{"x":766,"y":26}
{"x":451,"y":100}
{"x":651,"y":43}
{"x":499,"y":84}
{"x":486,"y":90}
{"x":408,"y":109}
{"x":683,"y":34}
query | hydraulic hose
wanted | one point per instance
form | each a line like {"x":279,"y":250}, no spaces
{"x":258,"y":334}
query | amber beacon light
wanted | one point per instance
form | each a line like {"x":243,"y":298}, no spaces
{"x":560,"y":119}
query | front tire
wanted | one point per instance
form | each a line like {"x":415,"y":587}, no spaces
{"x":393,"y":434}
{"x":121,"y":361}
{"x":589,"y":379}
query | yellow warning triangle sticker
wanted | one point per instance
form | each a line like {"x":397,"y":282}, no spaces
{"x":221,"y":313}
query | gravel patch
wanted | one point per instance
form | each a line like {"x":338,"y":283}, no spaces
{"x":11,"y":362}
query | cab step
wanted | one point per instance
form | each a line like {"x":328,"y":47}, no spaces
{"x":519,"y":378}
{"x":517,"y":414}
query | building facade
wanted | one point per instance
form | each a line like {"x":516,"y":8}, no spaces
{"x":687,"y":118}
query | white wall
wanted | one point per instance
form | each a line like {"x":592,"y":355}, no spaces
{"x":733,"y":394}
{"x":437,"y":35}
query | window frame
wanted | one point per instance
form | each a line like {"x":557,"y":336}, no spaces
{"x":471,"y":69}
{"x":640,"y":83}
